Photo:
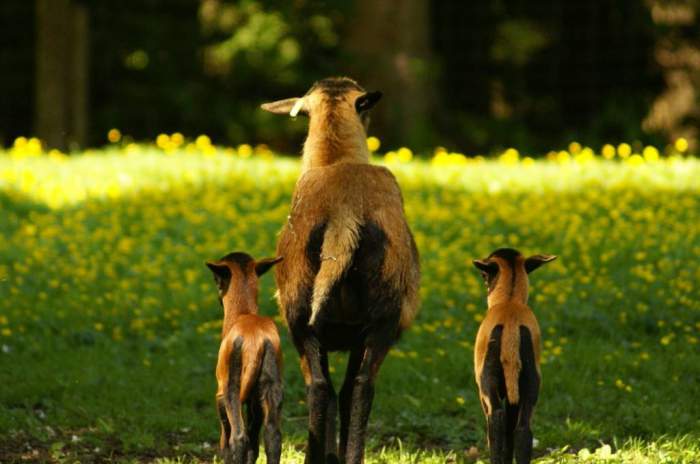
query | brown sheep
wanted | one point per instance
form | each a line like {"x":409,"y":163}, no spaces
{"x":349,"y":280}
{"x":249,"y":367}
{"x":507,"y":355}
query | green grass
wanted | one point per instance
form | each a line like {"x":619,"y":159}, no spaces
{"x":109,"y":319}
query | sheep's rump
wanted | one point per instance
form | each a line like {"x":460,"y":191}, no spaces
{"x":348,"y":251}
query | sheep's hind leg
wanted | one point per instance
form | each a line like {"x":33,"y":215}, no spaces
{"x":361,"y":403}
{"x":345,"y":400}
{"x":331,"y":417}
{"x":318,"y":396}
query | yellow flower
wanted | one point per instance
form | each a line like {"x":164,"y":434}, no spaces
{"x":114,"y":135}
{"x":373,"y":144}
{"x":624,"y":150}
{"x":608,"y":151}
{"x":20,"y":143}
{"x":177,"y":139}
{"x":162,"y":141}
{"x":510,"y":156}
{"x":202,"y":142}
{"x":651,"y":154}
{"x":244,"y":150}
{"x":681,"y":144}
{"x":405,"y":154}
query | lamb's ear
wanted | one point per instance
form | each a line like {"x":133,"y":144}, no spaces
{"x":290,"y":106}
{"x":367,"y":101}
{"x":264,"y":265}
{"x":535,"y":261}
{"x":222,"y":275}
{"x":487,"y":268}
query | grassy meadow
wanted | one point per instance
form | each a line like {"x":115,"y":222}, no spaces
{"x":109,"y":321}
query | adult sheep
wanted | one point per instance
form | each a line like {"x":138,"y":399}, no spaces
{"x":350,"y":275}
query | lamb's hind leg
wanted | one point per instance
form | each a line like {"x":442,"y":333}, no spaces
{"x":225,"y":430}
{"x":512,"y":411}
{"x":238,"y":439}
{"x":529,"y":385}
{"x":271,"y":395}
{"x":254,"y":422}
{"x":492,"y":385}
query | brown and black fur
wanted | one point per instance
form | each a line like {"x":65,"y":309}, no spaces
{"x":349,"y":281}
{"x":507,"y":355}
{"x":249,"y":366}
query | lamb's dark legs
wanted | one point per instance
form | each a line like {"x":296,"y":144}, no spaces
{"x":254,"y":422}
{"x":529,"y":386}
{"x":225,"y":430}
{"x":271,"y":396}
{"x":497,"y":435}
{"x":511,"y":421}
{"x":237,"y":448}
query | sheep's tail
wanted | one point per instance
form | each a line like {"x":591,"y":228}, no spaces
{"x":340,"y":241}
{"x":510,"y":360}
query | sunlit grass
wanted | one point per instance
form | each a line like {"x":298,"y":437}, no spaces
{"x":108,"y":317}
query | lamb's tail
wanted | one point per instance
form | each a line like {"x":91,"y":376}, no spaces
{"x":339,"y":244}
{"x":510,"y":360}
{"x":250,"y":367}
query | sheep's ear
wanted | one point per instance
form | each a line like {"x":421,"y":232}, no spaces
{"x":535,"y":261}
{"x":222,"y":275}
{"x":367,"y":101}
{"x":487,"y":268}
{"x":290,"y":106}
{"x":264,"y":265}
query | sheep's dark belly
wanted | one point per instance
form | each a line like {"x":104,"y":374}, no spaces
{"x":338,"y":336}
{"x":355,"y":307}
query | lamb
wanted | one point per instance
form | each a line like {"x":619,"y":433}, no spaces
{"x":350,"y":277}
{"x":507,"y":355}
{"x":249,"y":367}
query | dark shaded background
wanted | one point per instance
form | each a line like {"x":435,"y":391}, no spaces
{"x":473,"y":76}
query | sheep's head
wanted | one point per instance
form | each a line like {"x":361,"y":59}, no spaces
{"x":505,"y":273}
{"x":236,"y":276}
{"x":338,"y":100}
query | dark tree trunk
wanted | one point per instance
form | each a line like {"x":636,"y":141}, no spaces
{"x":390,"y":40}
{"x":61,"y":67}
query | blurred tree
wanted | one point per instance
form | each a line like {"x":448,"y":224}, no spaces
{"x":675,"y":112}
{"x":256,"y":51}
{"x":61,"y":73}
{"x":536,"y":74}
{"x":474,"y":76}
{"x":17,"y":61}
{"x":396,"y":59}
